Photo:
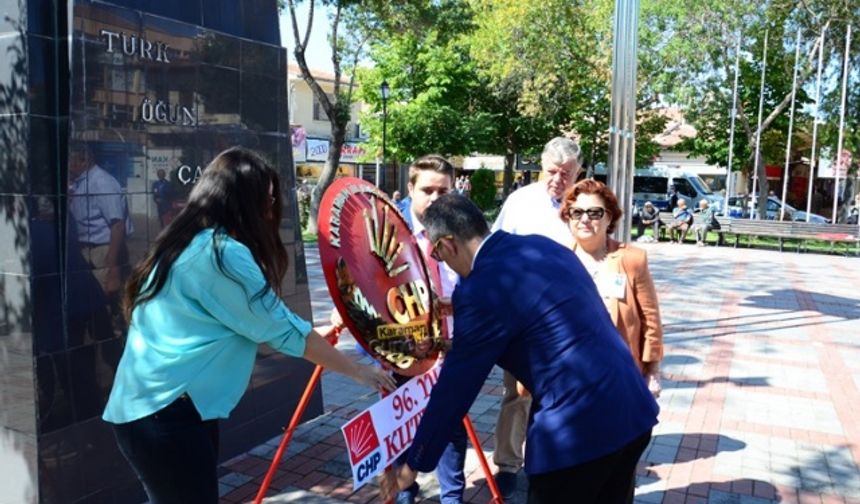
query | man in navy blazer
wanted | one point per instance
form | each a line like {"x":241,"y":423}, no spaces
{"x":526,"y":304}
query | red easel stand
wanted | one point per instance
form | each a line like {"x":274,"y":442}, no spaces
{"x":294,"y":422}
{"x":491,"y":482}
{"x":300,"y":411}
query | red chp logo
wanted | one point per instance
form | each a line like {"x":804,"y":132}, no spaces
{"x":360,"y":437}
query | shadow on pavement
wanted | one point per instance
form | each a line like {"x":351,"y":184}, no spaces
{"x":747,"y":491}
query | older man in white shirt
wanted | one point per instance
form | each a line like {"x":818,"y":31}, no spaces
{"x":534,"y":209}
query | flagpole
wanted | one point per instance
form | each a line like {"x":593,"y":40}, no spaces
{"x":837,"y":161}
{"x":790,"y":128}
{"x":758,"y":130}
{"x":732,"y":130}
{"x":815,"y":125}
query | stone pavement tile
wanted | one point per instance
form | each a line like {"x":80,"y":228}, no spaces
{"x":687,"y":364}
{"x":780,"y":441}
{"x":761,"y":374}
{"x":294,"y":495}
{"x":720,"y":497}
{"x":794,"y":413}
{"x":822,"y":469}
{"x":677,"y":395}
{"x":771,"y":348}
{"x":649,"y":489}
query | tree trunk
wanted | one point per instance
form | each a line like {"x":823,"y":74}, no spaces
{"x":508,"y":177}
{"x":761,"y":204}
{"x":336,"y":141}
{"x":508,"y":174}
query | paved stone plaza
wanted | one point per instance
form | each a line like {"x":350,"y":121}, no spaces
{"x":761,"y":398}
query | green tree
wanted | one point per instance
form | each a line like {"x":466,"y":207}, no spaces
{"x":698,"y":56}
{"x":548,"y":64}
{"x":483,"y":188}
{"x":347,"y":38}
{"x":423,"y":54}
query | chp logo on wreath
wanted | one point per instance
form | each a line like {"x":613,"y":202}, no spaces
{"x":377,"y":277}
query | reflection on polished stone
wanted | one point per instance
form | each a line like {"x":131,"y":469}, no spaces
{"x":91,"y":370}
{"x":48,"y":317}
{"x":55,"y":392}
{"x":41,"y":59}
{"x":179,"y":36}
{"x":223,"y":15}
{"x":60,"y":463}
{"x":14,"y":139}
{"x":15,"y":249}
{"x":13,"y":74}
{"x":42,"y":147}
{"x":219,"y":95}
{"x":261,"y":58}
{"x":259,"y":100}
{"x":252,"y":12}
{"x":218,"y":49}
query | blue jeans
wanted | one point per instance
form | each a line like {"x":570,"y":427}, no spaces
{"x":449,"y":471}
{"x":174,"y":454}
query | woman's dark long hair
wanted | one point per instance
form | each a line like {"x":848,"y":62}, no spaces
{"x":232,"y":196}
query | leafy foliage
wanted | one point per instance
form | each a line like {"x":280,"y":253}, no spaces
{"x":483,"y":188}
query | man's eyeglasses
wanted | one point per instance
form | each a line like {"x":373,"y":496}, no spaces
{"x":434,"y":252}
{"x":594,"y":213}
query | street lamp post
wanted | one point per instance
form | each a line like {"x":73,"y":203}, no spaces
{"x":385,"y":91}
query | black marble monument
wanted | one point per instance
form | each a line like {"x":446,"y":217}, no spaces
{"x":150,"y":91}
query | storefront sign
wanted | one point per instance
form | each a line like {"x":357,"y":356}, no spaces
{"x":382,"y":432}
{"x":351,"y":152}
{"x":377,"y":277}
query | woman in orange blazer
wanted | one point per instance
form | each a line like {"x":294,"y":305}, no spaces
{"x":620,"y":272}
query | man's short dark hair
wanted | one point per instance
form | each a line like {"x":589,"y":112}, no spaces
{"x":454,"y":214}
{"x":430,"y":162}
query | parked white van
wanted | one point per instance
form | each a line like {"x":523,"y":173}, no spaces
{"x":652,"y":184}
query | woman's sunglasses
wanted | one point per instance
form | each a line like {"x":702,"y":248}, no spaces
{"x":594,"y":213}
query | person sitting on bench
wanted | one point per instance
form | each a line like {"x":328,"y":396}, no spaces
{"x":681,"y":222}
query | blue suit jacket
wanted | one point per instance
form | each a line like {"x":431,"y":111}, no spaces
{"x":529,"y":306}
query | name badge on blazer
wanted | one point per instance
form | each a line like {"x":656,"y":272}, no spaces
{"x":614,"y":286}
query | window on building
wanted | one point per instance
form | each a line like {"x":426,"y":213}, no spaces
{"x":319,"y":112}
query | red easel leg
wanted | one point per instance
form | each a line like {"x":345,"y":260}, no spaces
{"x":288,"y":434}
{"x":491,"y":482}
{"x":332,"y":338}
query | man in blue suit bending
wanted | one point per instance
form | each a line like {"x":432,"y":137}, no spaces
{"x":526,"y":304}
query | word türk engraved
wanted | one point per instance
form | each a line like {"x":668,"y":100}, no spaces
{"x":132,"y":45}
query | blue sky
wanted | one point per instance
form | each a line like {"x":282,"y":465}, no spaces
{"x":318,"y":54}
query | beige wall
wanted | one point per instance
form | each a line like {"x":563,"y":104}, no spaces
{"x":302,"y":109}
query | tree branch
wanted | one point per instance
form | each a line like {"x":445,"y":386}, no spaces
{"x":296,"y":36}
{"x":310,"y":25}
{"x":355,"y":58}
{"x":802,"y":76}
{"x":335,"y":54}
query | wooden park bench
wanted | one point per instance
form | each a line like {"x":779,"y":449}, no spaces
{"x":667,"y":217}
{"x":800,"y":231}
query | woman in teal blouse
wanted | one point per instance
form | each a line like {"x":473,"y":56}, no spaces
{"x":199,"y":304}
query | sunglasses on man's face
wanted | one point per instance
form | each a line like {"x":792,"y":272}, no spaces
{"x":594,"y":213}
